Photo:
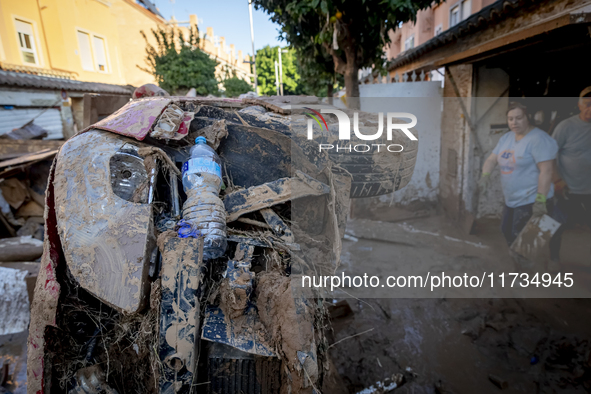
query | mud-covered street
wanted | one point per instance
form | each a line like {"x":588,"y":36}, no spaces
{"x":443,"y":345}
{"x":456,"y":345}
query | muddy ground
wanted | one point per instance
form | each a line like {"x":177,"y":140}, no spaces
{"x":533,"y":345}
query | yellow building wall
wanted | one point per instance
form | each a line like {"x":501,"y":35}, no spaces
{"x":55,"y":25}
{"x":27,"y":11}
{"x":95,"y":18}
{"x":131,"y":19}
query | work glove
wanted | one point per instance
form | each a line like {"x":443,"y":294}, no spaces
{"x":483,"y":182}
{"x":539,"y":208}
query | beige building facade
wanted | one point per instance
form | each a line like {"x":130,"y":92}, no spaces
{"x":93,"y":40}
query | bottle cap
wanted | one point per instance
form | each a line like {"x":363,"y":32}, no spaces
{"x":200,"y":140}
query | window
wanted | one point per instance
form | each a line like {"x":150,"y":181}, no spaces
{"x":409,"y":43}
{"x":438,"y":30}
{"x":454,"y":16}
{"x":100,"y":54}
{"x":466,"y":9}
{"x":26,"y":42}
{"x":85,"y":51}
{"x":93,"y":52}
{"x":459,"y":12}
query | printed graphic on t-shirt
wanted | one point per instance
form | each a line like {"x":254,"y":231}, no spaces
{"x":507,"y":161}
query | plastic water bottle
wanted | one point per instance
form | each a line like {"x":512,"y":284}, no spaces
{"x":204,"y":213}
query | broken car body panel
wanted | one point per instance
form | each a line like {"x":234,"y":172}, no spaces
{"x":136,"y":118}
{"x":107,"y":240}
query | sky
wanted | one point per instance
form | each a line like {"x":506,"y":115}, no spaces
{"x":229,"y":19}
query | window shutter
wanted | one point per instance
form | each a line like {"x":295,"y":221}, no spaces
{"x":85,"y":51}
{"x":100,"y":54}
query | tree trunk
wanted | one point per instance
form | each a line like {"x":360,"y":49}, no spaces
{"x":349,"y":68}
{"x":352,"y":85}
{"x":330,"y":92}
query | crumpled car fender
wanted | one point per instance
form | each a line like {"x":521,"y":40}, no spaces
{"x":107,"y":240}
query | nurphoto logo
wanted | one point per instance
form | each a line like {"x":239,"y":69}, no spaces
{"x":345,"y":129}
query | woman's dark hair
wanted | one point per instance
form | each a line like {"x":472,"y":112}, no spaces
{"x":514,"y":105}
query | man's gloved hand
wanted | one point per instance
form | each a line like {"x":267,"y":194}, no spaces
{"x":539,"y":207}
{"x":483,"y":182}
{"x":561,"y":188}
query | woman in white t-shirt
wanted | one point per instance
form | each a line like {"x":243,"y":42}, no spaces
{"x":525,"y":156}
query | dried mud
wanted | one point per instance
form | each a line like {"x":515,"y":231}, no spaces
{"x":104,"y":242}
{"x":214,"y":133}
{"x":164,"y":237}
{"x":290,"y":324}
{"x":233,"y":301}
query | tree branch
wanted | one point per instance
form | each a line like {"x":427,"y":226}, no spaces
{"x":339,"y":64}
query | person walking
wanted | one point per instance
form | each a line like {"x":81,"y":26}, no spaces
{"x":573,"y":176}
{"x":525,"y":156}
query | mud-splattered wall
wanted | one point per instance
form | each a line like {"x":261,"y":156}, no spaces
{"x":422,"y":99}
{"x":454,"y":138}
{"x":489,"y":114}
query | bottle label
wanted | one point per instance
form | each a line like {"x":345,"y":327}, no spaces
{"x":199,"y":165}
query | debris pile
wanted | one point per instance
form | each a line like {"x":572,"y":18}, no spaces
{"x":137,"y":299}
{"x":25,"y":161}
{"x":22,"y":197}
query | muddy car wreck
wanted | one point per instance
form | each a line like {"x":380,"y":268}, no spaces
{"x":123,"y":304}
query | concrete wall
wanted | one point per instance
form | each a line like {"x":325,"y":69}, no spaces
{"x":483,"y":92}
{"x":422,"y":99}
{"x":454,"y":140}
{"x":489,"y":114}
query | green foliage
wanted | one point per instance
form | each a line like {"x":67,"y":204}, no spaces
{"x":178,"y":64}
{"x":265,"y":61}
{"x":235,"y":86}
{"x":316,"y":70}
{"x":361,"y":30}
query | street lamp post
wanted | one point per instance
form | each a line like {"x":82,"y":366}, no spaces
{"x":279,"y":50}
{"x":280,"y":71}
{"x":253,"y":60}
{"x":276,"y":78}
